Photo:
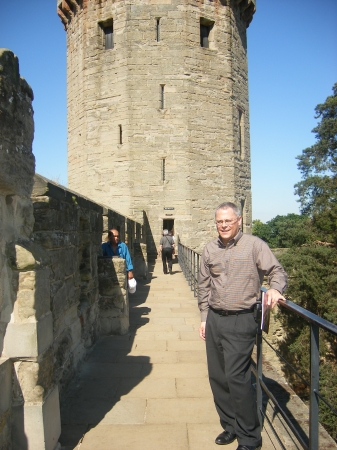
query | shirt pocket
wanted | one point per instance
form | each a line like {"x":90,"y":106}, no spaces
{"x":216,"y":270}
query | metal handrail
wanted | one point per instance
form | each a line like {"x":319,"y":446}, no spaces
{"x":189,"y":261}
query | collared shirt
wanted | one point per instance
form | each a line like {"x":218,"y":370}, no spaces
{"x":121,"y":250}
{"x":167,"y":241}
{"x":231,"y":275}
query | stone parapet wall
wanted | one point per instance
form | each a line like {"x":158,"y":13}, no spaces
{"x":51,"y":309}
{"x":113,"y":302}
{"x":70,"y":229}
{"x":25,"y":316}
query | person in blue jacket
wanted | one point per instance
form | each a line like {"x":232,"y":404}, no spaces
{"x":116,"y":248}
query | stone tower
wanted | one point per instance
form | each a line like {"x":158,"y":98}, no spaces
{"x":158,"y":117}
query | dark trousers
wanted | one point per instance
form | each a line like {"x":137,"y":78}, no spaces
{"x":229,"y":345}
{"x":166,"y":256}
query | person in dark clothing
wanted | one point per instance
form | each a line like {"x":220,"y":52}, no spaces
{"x":166,"y":249}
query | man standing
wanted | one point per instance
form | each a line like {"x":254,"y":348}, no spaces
{"x":166,"y":248}
{"x":231,"y":272}
{"x":116,"y":248}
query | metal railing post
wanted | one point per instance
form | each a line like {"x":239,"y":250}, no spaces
{"x":314,"y":387}
{"x":259,"y":373}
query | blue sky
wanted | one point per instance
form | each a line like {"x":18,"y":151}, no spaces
{"x":292,"y":67}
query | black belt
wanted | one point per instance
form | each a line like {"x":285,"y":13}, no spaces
{"x":224,"y":312}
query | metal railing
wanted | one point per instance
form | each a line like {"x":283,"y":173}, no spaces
{"x":189,"y":261}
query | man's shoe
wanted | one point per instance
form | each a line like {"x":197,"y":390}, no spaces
{"x":249,"y":447}
{"x":225,"y":438}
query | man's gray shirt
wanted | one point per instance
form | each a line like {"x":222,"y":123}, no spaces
{"x":230,"y":276}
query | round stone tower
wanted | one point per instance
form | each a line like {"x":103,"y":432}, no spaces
{"x":158,"y":117}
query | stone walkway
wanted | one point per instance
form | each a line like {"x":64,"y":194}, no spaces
{"x":148,"y":390}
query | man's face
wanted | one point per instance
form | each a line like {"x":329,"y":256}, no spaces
{"x":113,"y":236}
{"x":227,"y":224}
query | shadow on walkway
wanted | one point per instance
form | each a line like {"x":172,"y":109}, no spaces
{"x":108,"y":373}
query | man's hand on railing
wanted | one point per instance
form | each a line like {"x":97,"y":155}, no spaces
{"x":202,"y":331}
{"x":273,"y":296}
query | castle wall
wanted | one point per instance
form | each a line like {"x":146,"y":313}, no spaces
{"x":55,"y":299}
{"x":17,"y":167}
{"x":190,"y":153}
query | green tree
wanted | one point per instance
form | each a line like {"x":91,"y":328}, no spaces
{"x":310,"y":264}
{"x":262,"y":230}
{"x":318,"y":165}
{"x":290,"y":230}
{"x":312,"y":274}
{"x":284,"y":231}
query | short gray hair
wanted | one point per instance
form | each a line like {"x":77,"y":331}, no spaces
{"x":165,"y":232}
{"x":233,"y":206}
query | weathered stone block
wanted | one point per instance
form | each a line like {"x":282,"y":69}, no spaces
{"x":35,"y":378}
{"x":112,"y":325}
{"x":24,"y":259}
{"x":65,"y":320}
{"x":140,"y":260}
{"x":28,"y":339}
{"x":6,"y":370}
{"x":111,"y":286}
{"x":52,"y":239}
{"x":33,"y":297}
{"x":17,"y":162}
{"x":37,"y":426}
{"x":116,"y":300}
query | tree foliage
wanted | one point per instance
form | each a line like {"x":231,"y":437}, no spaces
{"x":311,"y":260}
{"x":312,"y":274}
{"x":318,"y":164}
{"x":285,"y":231}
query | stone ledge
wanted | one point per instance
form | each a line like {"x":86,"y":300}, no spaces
{"x":24,"y":340}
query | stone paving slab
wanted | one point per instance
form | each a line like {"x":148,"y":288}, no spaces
{"x":150,"y":346}
{"x":136,"y":437}
{"x":179,"y":370}
{"x":186,"y":346}
{"x":156,"y":357}
{"x":127,"y":411}
{"x":148,"y":389}
{"x":193,"y":387}
{"x":188,"y":356}
{"x":157,"y":335}
{"x":181,"y":410}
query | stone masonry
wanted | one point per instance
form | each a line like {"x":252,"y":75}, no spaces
{"x":158,"y":118}
{"x":29,"y":396}
{"x":57,"y":294}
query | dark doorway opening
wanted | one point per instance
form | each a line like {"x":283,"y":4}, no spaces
{"x":168,"y":224}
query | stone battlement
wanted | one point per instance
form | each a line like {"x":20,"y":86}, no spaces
{"x":57,"y":294}
{"x":67,"y":9}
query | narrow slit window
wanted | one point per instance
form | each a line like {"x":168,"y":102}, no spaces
{"x":206,"y":26}
{"x":162,"y":96}
{"x":241,"y":133}
{"x":163,"y":169}
{"x":120,"y":134}
{"x":108,"y":34}
{"x":243,"y":202}
{"x":158,"y":30}
{"x":204,"y":33}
